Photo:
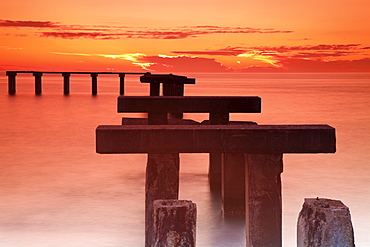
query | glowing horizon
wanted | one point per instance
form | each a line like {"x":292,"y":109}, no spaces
{"x":199,"y":36}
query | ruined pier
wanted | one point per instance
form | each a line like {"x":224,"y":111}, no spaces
{"x":260,"y":147}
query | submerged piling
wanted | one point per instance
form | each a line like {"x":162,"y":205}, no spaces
{"x":174,"y":223}
{"x":324,"y":222}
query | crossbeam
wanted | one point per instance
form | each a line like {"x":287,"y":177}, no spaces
{"x":215,"y":138}
{"x":195,"y":104}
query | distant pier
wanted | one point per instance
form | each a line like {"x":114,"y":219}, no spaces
{"x":66,"y":80}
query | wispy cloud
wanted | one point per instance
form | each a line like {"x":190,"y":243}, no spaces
{"x":57,"y":30}
{"x":34,"y":24}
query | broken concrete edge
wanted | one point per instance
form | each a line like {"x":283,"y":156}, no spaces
{"x":215,"y":138}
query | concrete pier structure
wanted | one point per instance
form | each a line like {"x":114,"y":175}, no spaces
{"x":173,"y":85}
{"x":262,"y":146}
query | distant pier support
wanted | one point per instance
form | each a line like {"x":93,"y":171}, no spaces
{"x":38,"y":83}
{"x":11,"y":82}
{"x":66,"y":77}
{"x":94,"y":83}
{"x":121,"y":84}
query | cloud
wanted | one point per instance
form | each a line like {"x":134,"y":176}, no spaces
{"x":115,"y":32}
{"x":183,"y":64}
{"x":35,"y":24}
{"x":76,"y":35}
{"x":304,"y":65}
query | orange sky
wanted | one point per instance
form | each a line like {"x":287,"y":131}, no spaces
{"x":185,"y":36}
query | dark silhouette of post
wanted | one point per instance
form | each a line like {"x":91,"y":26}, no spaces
{"x":38,"y":83}
{"x":94,"y":83}
{"x":66,"y":83}
{"x":11,"y":82}
{"x":121,"y":84}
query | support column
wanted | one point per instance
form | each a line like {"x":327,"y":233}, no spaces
{"x":263,"y":200}
{"x":214,"y":171}
{"x":66,"y":77}
{"x":11,"y":82}
{"x":174,"y":223}
{"x":38,"y":84}
{"x":154,"y":89}
{"x":94,"y":83}
{"x":233,"y":185}
{"x":162,"y":182}
{"x":121,"y":84}
{"x":174,"y":89}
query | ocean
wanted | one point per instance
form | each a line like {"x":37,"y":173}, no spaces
{"x":56,"y":191}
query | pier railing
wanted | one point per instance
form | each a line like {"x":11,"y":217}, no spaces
{"x":66,"y":80}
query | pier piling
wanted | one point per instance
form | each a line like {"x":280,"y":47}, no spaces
{"x":11,"y":82}
{"x":121,"y":84}
{"x":174,"y":223}
{"x":38,"y":83}
{"x":94,"y":83}
{"x":66,"y":83}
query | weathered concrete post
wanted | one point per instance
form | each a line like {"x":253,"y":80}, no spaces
{"x":162,"y":178}
{"x":215,"y":159}
{"x":174,"y":223}
{"x":233,"y":184}
{"x":326,"y":223}
{"x":94,"y":83}
{"x":66,"y":77}
{"x":263,"y":199}
{"x":38,"y":84}
{"x":11,"y":82}
{"x":121,"y":84}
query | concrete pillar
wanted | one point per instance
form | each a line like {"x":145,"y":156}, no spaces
{"x":174,"y":89}
{"x":94,"y":83}
{"x":66,"y":77}
{"x":263,"y":200}
{"x":324,"y":222}
{"x":38,"y":84}
{"x":214,"y":170}
{"x":11,"y":82}
{"x":233,"y":185}
{"x":162,"y":182}
{"x":174,"y":223}
{"x":154,"y":89}
{"x":121,"y":84}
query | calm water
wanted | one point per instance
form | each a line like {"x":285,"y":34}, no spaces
{"x":56,"y":191}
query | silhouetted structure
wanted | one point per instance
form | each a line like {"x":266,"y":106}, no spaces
{"x":172,"y":84}
{"x":261,"y":148}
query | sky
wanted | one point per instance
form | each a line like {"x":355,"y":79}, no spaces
{"x":166,"y":36}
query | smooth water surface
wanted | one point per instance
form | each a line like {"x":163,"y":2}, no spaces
{"x":56,"y":191}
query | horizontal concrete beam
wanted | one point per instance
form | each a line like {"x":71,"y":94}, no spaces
{"x":215,"y":139}
{"x":198,"y":104}
{"x":166,"y":78}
